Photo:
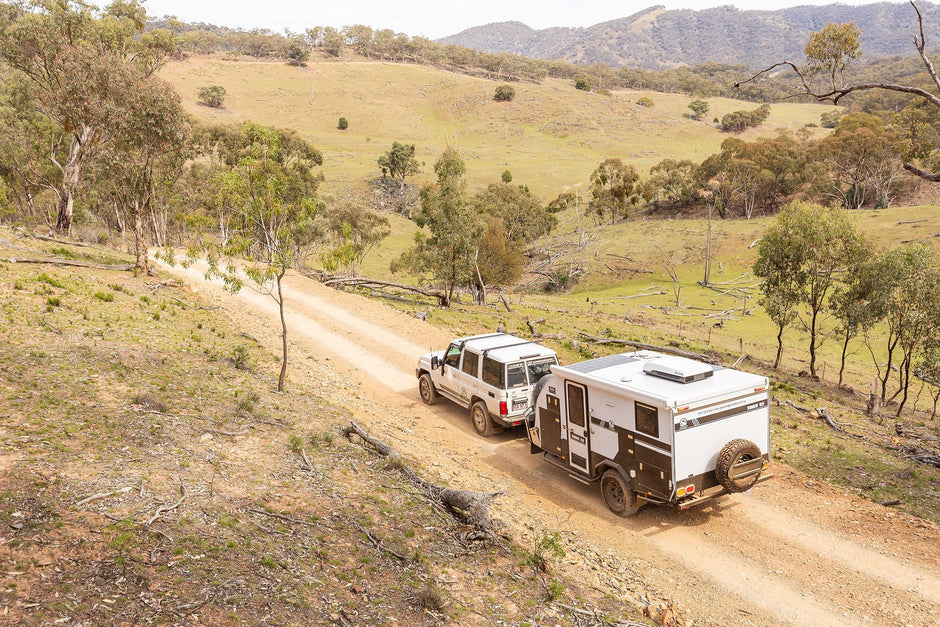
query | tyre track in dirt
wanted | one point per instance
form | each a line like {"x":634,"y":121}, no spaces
{"x":780,"y":555}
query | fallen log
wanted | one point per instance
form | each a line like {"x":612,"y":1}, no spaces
{"x":823,"y":413}
{"x":669,"y":350}
{"x":57,"y":261}
{"x":468,"y":506}
{"x":442,"y":297}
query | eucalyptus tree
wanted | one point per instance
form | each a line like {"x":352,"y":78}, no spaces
{"x":144,"y":158}
{"x":831,"y":51}
{"x":448,"y":249}
{"x":268,"y":198}
{"x":801,"y":258}
{"x":79,"y":61}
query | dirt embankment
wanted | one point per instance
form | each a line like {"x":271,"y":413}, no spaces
{"x":792,"y":552}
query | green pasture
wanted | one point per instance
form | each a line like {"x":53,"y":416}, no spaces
{"x":551,"y":137}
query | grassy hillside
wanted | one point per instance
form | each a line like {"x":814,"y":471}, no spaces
{"x":551,"y":137}
{"x":150,"y":474}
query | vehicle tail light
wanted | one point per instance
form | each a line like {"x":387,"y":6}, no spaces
{"x":503,"y":408}
{"x":685,"y":491}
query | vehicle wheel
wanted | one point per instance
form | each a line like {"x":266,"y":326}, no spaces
{"x":426,"y":389}
{"x":619,"y":495}
{"x":739,"y":465}
{"x":480,"y":416}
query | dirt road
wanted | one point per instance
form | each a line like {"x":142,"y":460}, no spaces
{"x":791,"y":552}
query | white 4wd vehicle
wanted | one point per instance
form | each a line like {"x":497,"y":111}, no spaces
{"x":491,"y":374}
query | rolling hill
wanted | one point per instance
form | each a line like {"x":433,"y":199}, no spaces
{"x":656,"y":38}
{"x":551,"y":137}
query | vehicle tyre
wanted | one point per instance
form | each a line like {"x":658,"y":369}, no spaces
{"x":619,"y":495}
{"x":739,"y":465}
{"x":480,"y":416}
{"x":426,"y":389}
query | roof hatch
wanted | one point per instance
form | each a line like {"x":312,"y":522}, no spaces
{"x":678,"y":369}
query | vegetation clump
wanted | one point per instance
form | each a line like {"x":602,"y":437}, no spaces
{"x":738,"y":121}
{"x":504,"y":93}
{"x":211,"y":96}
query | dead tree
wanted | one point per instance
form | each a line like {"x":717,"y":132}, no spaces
{"x":468,"y":506}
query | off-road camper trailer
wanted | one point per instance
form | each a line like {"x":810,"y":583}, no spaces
{"x":653,"y":428}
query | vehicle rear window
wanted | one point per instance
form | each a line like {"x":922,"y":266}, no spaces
{"x":471,"y":362}
{"x":538,"y":368}
{"x":515,"y":375}
{"x":493,"y":372}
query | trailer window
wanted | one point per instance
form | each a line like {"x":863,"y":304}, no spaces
{"x":471,"y":361}
{"x":492,"y":372}
{"x":515,"y":375}
{"x":540,"y":368}
{"x":576,"y":405}
{"x":647,"y":420}
{"x":452,"y":358}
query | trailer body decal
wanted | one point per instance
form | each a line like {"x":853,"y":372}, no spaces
{"x":718,"y":412}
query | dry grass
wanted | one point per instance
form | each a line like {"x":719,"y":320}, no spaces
{"x":144,"y":479}
{"x":551,"y":137}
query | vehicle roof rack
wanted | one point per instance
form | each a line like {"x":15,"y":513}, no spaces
{"x":479,"y":337}
{"x":496,"y":348}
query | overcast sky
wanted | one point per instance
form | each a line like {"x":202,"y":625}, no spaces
{"x":428,"y":18}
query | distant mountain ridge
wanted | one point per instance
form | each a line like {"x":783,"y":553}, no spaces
{"x":657,"y":38}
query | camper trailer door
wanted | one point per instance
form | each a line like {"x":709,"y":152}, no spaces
{"x":577,"y":426}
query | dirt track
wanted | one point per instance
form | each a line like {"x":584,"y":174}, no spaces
{"x":791,"y":552}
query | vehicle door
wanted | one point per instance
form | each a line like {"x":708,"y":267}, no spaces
{"x":576,"y":407}
{"x":653,"y":455}
{"x":469,"y":377}
{"x":450,"y":369}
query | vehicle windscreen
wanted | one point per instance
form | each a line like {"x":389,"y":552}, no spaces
{"x":538,"y":368}
{"x":515,"y":375}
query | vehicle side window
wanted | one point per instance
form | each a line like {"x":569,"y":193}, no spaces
{"x":647,"y":420}
{"x":471,"y":361}
{"x":452,"y":358}
{"x":492,"y":372}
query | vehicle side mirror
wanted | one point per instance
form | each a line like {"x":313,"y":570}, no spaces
{"x":435,"y":362}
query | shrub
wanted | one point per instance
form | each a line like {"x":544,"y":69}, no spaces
{"x":830,"y":119}
{"x":699,"y":108}
{"x":646,"y":101}
{"x":105,"y":297}
{"x":343,"y":124}
{"x":507,"y":176}
{"x":241,"y":358}
{"x":582,"y":84}
{"x":297,"y":53}
{"x":737,"y":121}
{"x":504,"y":93}
{"x":211,"y":96}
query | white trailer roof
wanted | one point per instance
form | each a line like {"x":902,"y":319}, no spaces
{"x":505,"y":347}
{"x":625,"y":373}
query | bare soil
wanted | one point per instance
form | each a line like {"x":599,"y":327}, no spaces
{"x":793,"y":551}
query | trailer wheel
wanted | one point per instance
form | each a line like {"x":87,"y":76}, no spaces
{"x":426,"y":389}
{"x":619,"y":495}
{"x":480,"y":416}
{"x":739,"y":465}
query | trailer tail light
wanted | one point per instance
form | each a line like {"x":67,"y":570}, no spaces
{"x":686,"y":491}
{"x":761,"y":388}
{"x":503,"y":408}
